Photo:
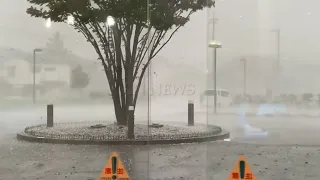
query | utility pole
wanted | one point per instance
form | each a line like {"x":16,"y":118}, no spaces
{"x":215,"y":44}
{"x":278,"y":63}
{"x":34,"y":77}
{"x":214,"y":53}
{"x":244,"y":77}
{"x":34,"y":93}
{"x":210,"y":73}
{"x":215,"y":80}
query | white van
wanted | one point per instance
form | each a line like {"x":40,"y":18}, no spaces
{"x":224,"y":98}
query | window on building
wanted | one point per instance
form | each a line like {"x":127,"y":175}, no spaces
{"x":49,"y":69}
{"x":12,"y":71}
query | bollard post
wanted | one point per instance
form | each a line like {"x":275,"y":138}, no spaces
{"x":190,"y":113}
{"x":50,"y":115}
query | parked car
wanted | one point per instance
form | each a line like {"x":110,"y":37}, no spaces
{"x":224,"y":98}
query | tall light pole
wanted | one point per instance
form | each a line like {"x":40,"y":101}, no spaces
{"x":215,"y":44}
{"x":277,"y":80}
{"x":213,"y":21}
{"x":244,"y":77}
{"x":35,"y":51}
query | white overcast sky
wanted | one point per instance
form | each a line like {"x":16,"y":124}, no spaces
{"x":243,"y":27}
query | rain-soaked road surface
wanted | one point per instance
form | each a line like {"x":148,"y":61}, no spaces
{"x":273,"y":157}
{"x":189,"y":161}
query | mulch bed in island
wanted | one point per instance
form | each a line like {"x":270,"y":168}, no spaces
{"x":104,"y":130}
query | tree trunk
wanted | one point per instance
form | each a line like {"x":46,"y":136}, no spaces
{"x":119,"y":109}
{"x":129,"y":102}
{"x":124,"y":115}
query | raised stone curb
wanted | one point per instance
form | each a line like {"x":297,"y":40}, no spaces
{"x":213,"y":133}
{"x":25,"y":137}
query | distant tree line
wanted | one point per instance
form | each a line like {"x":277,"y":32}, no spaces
{"x":79,"y":79}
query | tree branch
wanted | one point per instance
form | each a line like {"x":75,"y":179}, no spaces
{"x":166,"y":42}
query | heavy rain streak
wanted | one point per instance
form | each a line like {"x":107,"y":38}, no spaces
{"x":159,"y":90}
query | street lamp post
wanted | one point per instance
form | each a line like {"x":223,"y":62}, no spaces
{"x":215,"y":44}
{"x":244,"y":77}
{"x":34,"y":74}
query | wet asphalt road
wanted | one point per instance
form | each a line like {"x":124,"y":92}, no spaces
{"x":210,"y":161}
{"x":290,"y":151}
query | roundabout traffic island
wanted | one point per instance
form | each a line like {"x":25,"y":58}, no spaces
{"x":106,"y":132}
